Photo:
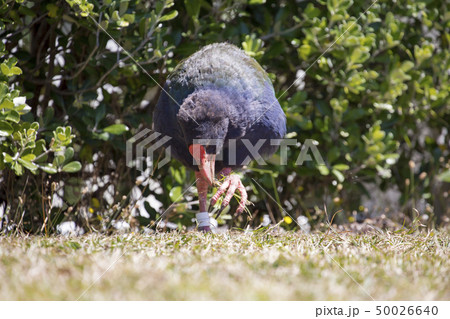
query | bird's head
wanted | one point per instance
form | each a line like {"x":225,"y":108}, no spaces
{"x":204,"y":121}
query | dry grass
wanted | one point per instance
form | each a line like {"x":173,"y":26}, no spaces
{"x":231,"y":266}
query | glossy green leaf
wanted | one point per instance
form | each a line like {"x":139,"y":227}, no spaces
{"x":340,"y":177}
{"x":72,"y":167}
{"x":27,"y":164}
{"x":445,"y":176}
{"x":29,"y":157}
{"x":13,"y":116}
{"x":5,"y":128}
{"x":49,"y":168}
{"x":311,"y":11}
{"x":5,"y":69}
{"x":6,"y":104}
{"x":68,"y":154}
{"x":116,"y":129}
{"x":341,"y":167}
{"x":7,"y":158}
{"x":193,"y":7}
{"x":323,"y":169}
{"x":175,"y":193}
{"x":3,"y":90}
{"x":172,"y":15}
{"x":59,"y":159}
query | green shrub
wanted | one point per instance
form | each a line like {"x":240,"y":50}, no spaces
{"x":375,"y":97}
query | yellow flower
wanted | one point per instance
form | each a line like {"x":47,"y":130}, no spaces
{"x":95,"y":202}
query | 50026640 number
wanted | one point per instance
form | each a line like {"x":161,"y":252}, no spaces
{"x":404,"y":311}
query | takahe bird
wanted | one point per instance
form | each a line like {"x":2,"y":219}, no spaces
{"x":219,"y":94}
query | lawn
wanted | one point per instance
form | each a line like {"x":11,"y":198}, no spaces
{"x":229,"y":266}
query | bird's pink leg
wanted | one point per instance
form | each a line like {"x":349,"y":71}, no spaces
{"x":202,"y":188}
{"x":230,"y":185}
{"x":224,"y":172}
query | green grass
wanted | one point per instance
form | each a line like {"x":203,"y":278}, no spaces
{"x":231,"y":266}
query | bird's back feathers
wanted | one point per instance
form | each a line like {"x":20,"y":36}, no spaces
{"x":221,"y":65}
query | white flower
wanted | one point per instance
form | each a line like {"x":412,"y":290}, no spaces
{"x":304,"y":224}
{"x":384,"y":106}
{"x":112,"y":46}
{"x":19,"y":100}
{"x":300,"y":79}
{"x":266,"y":220}
{"x":69,"y":228}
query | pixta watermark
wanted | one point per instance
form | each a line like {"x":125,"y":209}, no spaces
{"x":146,"y":145}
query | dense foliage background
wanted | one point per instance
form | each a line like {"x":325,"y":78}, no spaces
{"x":376,"y":101}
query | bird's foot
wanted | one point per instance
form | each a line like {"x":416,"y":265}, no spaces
{"x":204,"y":229}
{"x":231,"y":183}
{"x":203,"y":222}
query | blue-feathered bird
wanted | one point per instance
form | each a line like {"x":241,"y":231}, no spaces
{"x":224,"y":97}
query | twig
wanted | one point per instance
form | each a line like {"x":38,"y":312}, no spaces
{"x":277,"y":34}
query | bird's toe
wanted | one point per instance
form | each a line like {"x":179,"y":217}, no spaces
{"x":204,"y":229}
{"x":244,"y":196}
{"x":230,"y":185}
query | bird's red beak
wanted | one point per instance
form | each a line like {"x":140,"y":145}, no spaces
{"x":205,"y":162}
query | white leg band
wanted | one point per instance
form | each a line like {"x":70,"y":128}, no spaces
{"x":203,"y":219}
